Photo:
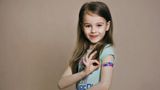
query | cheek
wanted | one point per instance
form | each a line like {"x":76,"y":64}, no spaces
{"x":103,"y":32}
{"x":103,"y":29}
{"x":86,"y":31}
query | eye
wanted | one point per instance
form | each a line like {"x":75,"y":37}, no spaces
{"x":87,"y":26}
{"x":99,"y":25}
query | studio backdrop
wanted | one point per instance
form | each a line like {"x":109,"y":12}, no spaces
{"x":37,"y":38}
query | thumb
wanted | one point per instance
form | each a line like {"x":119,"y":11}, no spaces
{"x":95,"y":63}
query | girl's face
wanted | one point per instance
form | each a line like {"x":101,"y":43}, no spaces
{"x":95,"y":27}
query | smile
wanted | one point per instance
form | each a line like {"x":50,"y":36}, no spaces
{"x":93,"y":36}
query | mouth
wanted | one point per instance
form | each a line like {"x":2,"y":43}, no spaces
{"x":93,"y":36}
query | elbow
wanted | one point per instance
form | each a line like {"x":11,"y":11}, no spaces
{"x":60,"y":86}
{"x":104,"y":86}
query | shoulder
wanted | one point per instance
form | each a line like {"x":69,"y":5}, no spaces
{"x":107,"y":50}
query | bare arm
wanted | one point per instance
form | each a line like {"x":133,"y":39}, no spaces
{"x":106,"y":76}
{"x":69,"y":79}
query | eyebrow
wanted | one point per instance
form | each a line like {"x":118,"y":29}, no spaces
{"x":96,"y":23}
{"x":100,"y":23}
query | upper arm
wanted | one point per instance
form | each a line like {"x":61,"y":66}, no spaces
{"x":106,"y":75}
{"x":106,"y":71}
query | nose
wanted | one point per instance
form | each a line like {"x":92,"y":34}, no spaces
{"x":93,"y":29}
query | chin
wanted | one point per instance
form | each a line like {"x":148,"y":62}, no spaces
{"x":93,"y":42}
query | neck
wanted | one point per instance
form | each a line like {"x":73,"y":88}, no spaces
{"x":92,"y":46}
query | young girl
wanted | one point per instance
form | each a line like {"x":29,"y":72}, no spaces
{"x":92,"y":63}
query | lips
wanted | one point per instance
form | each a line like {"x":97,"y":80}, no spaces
{"x":93,"y":36}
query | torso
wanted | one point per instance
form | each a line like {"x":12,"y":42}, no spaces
{"x":93,"y":78}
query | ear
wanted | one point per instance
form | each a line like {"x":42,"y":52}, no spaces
{"x":108,"y":25}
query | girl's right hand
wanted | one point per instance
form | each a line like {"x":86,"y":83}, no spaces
{"x":90,"y":64}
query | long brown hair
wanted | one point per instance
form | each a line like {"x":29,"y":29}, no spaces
{"x":82,"y":44}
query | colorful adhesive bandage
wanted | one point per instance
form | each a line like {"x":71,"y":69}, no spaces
{"x":108,"y":64}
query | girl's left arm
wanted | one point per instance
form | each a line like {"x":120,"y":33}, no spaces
{"x":106,"y":75}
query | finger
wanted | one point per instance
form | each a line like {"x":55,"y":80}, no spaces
{"x":84,"y":60}
{"x":86,"y":57}
{"x":91,"y":56}
{"x":88,"y":53}
{"x":95,"y":63}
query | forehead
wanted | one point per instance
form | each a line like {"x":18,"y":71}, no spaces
{"x":93,"y":18}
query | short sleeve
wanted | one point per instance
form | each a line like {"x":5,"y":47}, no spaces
{"x":108,"y":50}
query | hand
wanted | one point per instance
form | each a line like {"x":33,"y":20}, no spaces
{"x":90,"y":64}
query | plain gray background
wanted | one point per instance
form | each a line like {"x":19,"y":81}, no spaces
{"x":37,"y":38}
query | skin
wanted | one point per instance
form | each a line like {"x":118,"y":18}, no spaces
{"x":95,"y":28}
